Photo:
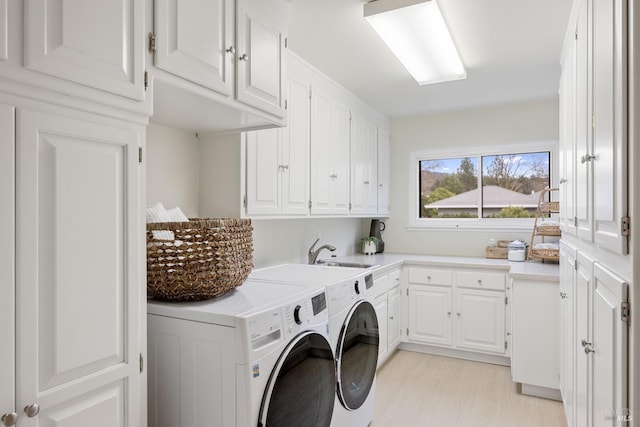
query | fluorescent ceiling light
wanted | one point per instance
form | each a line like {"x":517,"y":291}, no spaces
{"x":416,"y":33}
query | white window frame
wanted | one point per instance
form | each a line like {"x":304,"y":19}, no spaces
{"x":415,"y":223}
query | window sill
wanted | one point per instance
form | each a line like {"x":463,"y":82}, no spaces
{"x":516,"y":226}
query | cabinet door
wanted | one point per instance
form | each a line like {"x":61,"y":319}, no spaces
{"x":480,"y":320}
{"x":7,"y":260}
{"x":609,"y":356}
{"x":263,"y":172}
{"x":393,"y":323}
{"x":340,"y":125}
{"x":194,"y":40}
{"x":384,"y":176}
{"x":584,"y":286}
{"x":534,"y":355}
{"x":321,"y":154}
{"x":261,"y":28}
{"x":78,"y":268}
{"x":92,"y":42}
{"x":609,"y":124}
{"x":430,"y":314}
{"x":568,"y":138}
{"x":566,"y":339}
{"x":358,"y":168}
{"x":295,"y":152}
{"x":583,"y":175}
{"x":380,"y":305}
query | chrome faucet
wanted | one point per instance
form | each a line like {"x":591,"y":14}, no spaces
{"x":312,"y":255}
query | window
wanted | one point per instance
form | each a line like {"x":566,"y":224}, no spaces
{"x":510,"y":185}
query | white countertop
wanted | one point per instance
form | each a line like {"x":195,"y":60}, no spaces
{"x":529,"y":270}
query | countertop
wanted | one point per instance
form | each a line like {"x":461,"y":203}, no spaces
{"x":528,"y":270}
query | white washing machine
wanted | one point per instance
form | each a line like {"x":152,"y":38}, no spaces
{"x":354,"y":335}
{"x":258,"y":356}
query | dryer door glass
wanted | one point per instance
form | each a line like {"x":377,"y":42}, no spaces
{"x":357,"y":355}
{"x":301,"y":388}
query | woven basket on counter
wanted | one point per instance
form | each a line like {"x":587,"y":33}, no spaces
{"x":206,"y":258}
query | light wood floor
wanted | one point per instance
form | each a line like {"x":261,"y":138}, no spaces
{"x":415,"y":389}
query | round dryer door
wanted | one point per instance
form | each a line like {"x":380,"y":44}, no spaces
{"x":357,"y":355}
{"x":301,"y":388}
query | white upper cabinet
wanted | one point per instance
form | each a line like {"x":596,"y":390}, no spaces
{"x":330,"y":134}
{"x":225,"y":59}
{"x":593,"y":140}
{"x":609,"y":152}
{"x":92,"y":42}
{"x":261,"y":41}
{"x":278,"y":162}
{"x":364,"y":156}
{"x":384,"y":176}
{"x":194,"y":40}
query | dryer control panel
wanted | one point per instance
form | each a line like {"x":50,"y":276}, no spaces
{"x":305,"y":313}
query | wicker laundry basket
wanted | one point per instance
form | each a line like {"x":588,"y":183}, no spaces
{"x":204,"y":258}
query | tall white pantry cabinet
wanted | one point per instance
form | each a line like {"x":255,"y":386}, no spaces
{"x":72,"y":123}
{"x":596,"y":370}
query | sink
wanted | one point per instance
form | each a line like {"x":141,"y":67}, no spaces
{"x":344,"y":264}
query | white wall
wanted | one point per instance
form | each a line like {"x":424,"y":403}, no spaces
{"x":172,"y":169}
{"x":494,"y":127}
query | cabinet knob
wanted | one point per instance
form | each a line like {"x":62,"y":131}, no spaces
{"x":563,"y":295}
{"x":585,"y":343}
{"x":429,"y":278}
{"x":480,"y":282}
{"x":32,"y":410}
{"x":458,"y":314}
{"x":231,"y":50}
{"x":391,"y":317}
{"x":563,"y":180}
{"x":588,"y":349}
{"x":448,"y":313}
{"x":244,"y":57}
{"x":9,"y":419}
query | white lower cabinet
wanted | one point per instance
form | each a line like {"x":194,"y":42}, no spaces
{"x":77,"y":256}
{"x":594,"y":368}
{"x":534,"y":325}
{"x":462,"y":309}
{"x":387,"y":305}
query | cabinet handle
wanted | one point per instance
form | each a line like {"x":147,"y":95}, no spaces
{"x":9,"y":419}
{"x":585,"y":343}
{"x":391,"y":317}
{"x":563,"y":180}
{"x":244,"y":57}
{"x":563,"y":295}
{"x":32,"y":410}
{"x":587,"y":158}
{"x":588,"y":349}
{"x":231,"y":50}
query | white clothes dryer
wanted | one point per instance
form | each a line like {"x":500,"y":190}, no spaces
{"x":258,"y":356}
{"x":353,"y":330}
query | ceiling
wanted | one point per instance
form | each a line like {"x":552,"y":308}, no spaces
{"x":511,"y":49}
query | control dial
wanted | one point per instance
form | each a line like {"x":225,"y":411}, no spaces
{"x":298,"y":315}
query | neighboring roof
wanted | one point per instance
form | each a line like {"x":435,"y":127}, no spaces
{"x":494,"y":197}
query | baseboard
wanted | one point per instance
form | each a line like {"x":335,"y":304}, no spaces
{"x":538,"y":391}
{"x":458,"y":354}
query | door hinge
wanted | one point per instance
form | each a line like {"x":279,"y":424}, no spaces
{"x":139,"y":154}
{"x":506,"y":300}
{"x":286,"y":42}
{"x":152,"y":42}
{"x":575,"y":264}
{"x":505,"y":344}
{"x":625,"y":312}
{"x":575,"y":221}
{"x":626,"y":226}
{"x":286,"y":104}
{"x":349,"y":205}
{"x":141,"y":362}
{"x":146,"y":80}
{"x":407,"y":291}
{"x":244,"y":201}
{"x":407,"y":331}
{"x":310,"y":204}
